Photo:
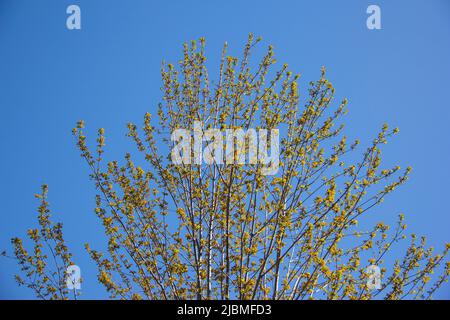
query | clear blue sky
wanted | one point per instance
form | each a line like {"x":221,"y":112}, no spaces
{"x":108,"y":74}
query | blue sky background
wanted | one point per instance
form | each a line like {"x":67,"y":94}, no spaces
{"x":108,"y":74}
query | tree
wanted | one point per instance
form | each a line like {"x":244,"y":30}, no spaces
{"x":229,"y":231}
